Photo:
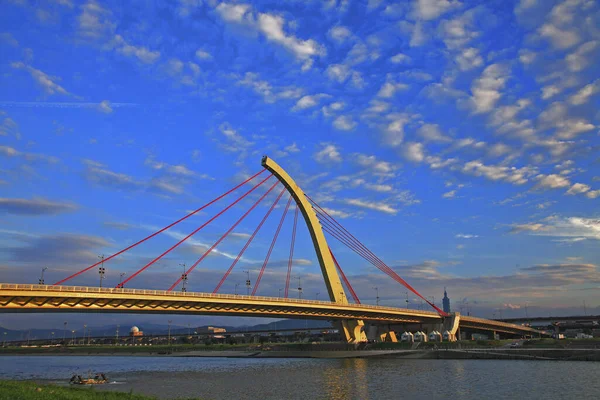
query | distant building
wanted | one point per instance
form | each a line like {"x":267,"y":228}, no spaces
{"x":211,"y":330}
{"x":446,"y":302}
{"x":135,"y":332}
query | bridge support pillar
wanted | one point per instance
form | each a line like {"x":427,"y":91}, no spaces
{"x":452,"y":325}
{"x":385,"y":334}
{"x":353,"y":331}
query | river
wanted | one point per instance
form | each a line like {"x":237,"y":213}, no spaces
{"x":373,"y":378}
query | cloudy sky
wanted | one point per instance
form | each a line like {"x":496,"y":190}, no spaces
{"x":458,"y":139}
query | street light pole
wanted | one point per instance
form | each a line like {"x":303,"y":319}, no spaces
{"x":65,"y":334}
{"x":84,"y":330}
{"x":406,"y":299}
{"x":121,"y":275}
{"x":299,"y":286}
{"x":184,"y":278}
{"x":376,"y":295}
{"x":101,"y":269}
{"x":235,"y":289}
{"x":42,"y":276}
{"x":280,"y":292}
{"x":248,"y":283}
{"x":317,"y":296}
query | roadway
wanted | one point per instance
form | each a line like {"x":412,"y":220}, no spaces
{"x":46,"y":298}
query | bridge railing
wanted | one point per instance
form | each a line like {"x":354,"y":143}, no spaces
{"x":493,"y":323}
{"x":152,"y":292}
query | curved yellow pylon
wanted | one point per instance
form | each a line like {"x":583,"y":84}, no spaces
{"x":332,"y":279}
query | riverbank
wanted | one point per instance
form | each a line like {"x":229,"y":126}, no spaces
{"x":530,"y":350}
{"x":27,"y":390}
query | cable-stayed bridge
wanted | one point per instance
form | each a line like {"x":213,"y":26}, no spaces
{"x":350,"y":316}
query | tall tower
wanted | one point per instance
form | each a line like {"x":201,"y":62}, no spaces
{"x":446,"y":302}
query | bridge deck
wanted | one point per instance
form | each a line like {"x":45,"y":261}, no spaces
{"x":46,"y":298}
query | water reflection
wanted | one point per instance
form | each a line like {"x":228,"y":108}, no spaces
{"x":339,"y":379}
{"x":347,"y":380}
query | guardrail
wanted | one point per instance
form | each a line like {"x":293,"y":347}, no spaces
{"x":495,"y":323}
{"x":88,"y":289}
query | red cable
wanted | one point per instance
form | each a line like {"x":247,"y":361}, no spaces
{"x":289,"y":271}
{"x":206,"y":253}
{"x":393,"y":275}
{"x":346,"y":281}
{"x":193,"y":232}
{"x":380,"y":264}
{"x":262,"y":270}
{"x":162,"y":230}
{"x":249,"y":241}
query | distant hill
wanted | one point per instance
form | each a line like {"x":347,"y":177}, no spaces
{"x":152,"y":329}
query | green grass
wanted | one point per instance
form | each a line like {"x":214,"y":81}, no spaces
{"x":26,"y":390}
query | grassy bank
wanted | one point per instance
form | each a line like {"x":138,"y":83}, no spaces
{"x":25,"y":390}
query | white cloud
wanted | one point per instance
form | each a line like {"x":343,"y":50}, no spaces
{"x":486,"y":89}
{"x":552,"y":181}
{"x":344,"y":123}
{"x":203,"y":55}
{"x":529,"y":227}
{"x":270,"y":94}
{"x":401,"y":59}
{"x":469,"y":58}
{"x":393,"y":134}
{"x":449,"y":195}
{"x":388,"y":89}
{"x":583,"y":57}
{"x":578,"y":188}
{"x":592,"y":194}
{"x":292,"y":148}
{"x":47,"y":82}
{"x":372,"y":205}
{"x":378,"y":167}
{"x":568,"y":227}
{"x":418,"y":37}
{"x":235,"y":142}
{"x":309,"y":101}
{"x":272,"y":27}
{"x":141,"y":53}
{"x":329,"y":153}
{"x":413,"y":151}
{"x":499,"y":149}
{"x":517,"y":176}
{"x":560,"y":38}
{"x":336,"y":213}
{"x":585,"y":93}
{"x":177,"y":169}
{"x":94,"y":21}
{"x":432,"y":133}
{"x":8,"y":151}
{"x":339,"y":33}
{"x":233,"y":12}
{"x":466,"y":236}
{"x":338,"y":72}
{"x":432,"y":9}
{"x":333,"y":108}
{"x":105,"y":107}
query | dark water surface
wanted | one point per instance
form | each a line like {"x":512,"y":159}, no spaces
{"x":228,"y":378}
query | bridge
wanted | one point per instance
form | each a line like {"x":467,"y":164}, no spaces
{"x":350,"y":317}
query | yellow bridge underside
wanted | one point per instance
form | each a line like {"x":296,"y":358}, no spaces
{"x":43,"y":298}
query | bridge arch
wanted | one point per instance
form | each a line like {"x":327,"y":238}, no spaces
{"x":332,"y":278}
{"x":352,"y":329}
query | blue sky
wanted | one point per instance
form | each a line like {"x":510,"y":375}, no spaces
{"x":458,"y":139}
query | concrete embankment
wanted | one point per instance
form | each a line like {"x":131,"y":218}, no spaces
{"x":487,"y":354}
